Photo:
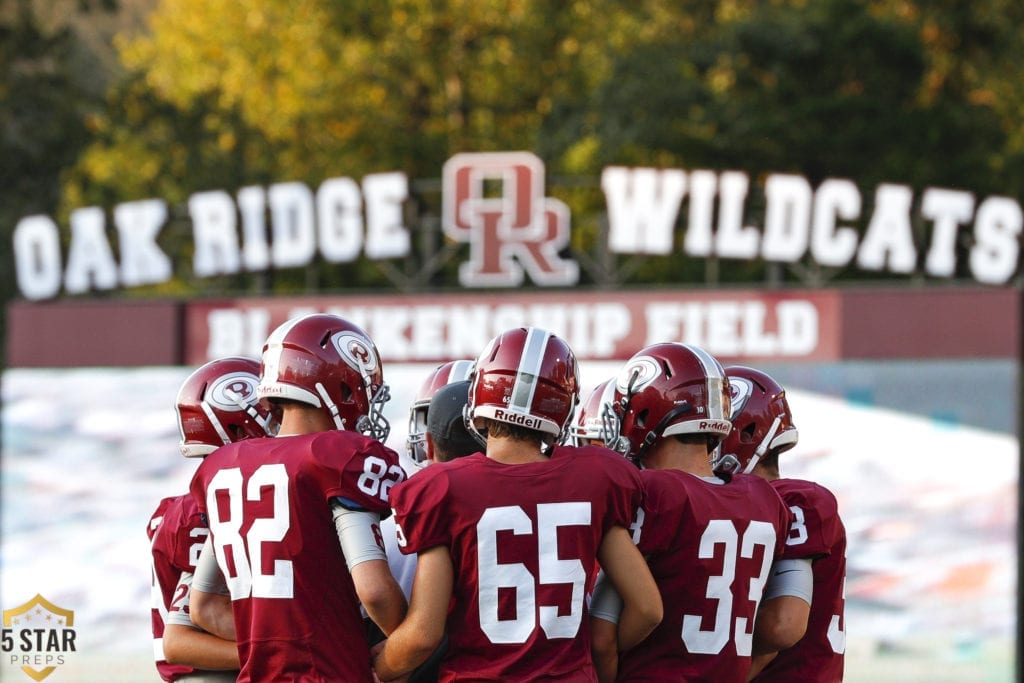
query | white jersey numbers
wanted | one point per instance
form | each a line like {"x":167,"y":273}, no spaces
{"x":251,"y":577}
{"x":798,"y":528}
{"x":377,"y":478}
{"x":837,"y":629}
{"x":721,"y":543}
{"x":551,"y":570}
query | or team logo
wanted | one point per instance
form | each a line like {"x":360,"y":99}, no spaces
{"x":38,"y":637}
{"x":354,"y":350}
{"x":637,"y":375}
{"x":233,"y":391}
{"x":495,"y":201}
{"x":740,"y":390}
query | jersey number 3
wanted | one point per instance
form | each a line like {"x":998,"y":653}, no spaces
{"x":720,"y":540}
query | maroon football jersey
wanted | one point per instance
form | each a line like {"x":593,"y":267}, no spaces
{"x":710,"y":548}
{"x":176,"y":532}
{"x":296,"y":612}
{"x":523,"y":541}
{"x":816,"y":531}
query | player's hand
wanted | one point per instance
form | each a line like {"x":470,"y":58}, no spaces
{"x":375,"y":653}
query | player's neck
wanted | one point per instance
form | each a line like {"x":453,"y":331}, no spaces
{"x":297,"y":420}
{"x":766,"y":472}
{"x":514,"y":451}
{"x":669,"y":454}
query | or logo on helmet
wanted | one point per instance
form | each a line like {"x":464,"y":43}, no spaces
{"x":233,"y":391}
{"x":740,"y":390}
{"x":217,"y":405}
{"x":354,"y":351}
{"x":638,"y":374}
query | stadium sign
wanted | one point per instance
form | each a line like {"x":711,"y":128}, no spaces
{"x":496,"y":203}
{"x":598,"y":325}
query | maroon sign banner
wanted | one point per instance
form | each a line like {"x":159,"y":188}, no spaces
{"x":598,"y":325}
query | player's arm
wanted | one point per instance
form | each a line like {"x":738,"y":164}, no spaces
{"x":758,"y":663}
{"x":605,"y":611}
{"x":209,"y":603}
{"x":628,"y":572}
{"x":192,"y":647}
{"x":185,"y":643}
{"x":381,"y":596}
{"x":785,"y":606}
{"x":423,"y":629}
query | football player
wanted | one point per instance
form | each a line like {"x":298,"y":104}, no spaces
{"x":710,"y":542}
{"x":216,"y":405}
{"x":762,"y":429}
{"x":588,"y":428}
{"x":437,"y":433}
{"x":443,"y":374}
{"x":521,"y":526}
{"x":294,"y":520}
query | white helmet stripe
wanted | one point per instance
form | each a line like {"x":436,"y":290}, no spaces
{"x":274,"y":346}
{"x":529,"y":369}
{"x":459,"y":371}
{"x":716,"y":377}
{"x":214,"y":422}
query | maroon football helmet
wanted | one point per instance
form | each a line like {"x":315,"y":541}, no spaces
{"x":446,"y":373}
{"x":590,"y":417}
{"x":664,"y":390}
{"x":326,"y":361}
{"x":527,"y":377}
{"x":217,"y":405}
{"x":761,"y":420}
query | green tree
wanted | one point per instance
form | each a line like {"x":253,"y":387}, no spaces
{"x":342,"y":89}
{"x":44,"y":97}
{"x":832,"y":88}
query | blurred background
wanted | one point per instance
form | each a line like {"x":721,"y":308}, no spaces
{"x":903,"y":374}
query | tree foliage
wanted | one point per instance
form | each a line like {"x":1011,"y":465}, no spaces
{"x":44,"y":101}
{"x":225,"y":93}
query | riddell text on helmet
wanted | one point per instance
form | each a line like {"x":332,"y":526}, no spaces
{"x":517,"y":418}
{"x":722,"y":426}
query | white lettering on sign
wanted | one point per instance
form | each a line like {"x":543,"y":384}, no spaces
{"x":602,"y":329}
{"x":801,"y":221}
{"x":736,"y":328}
{"x":497,"y":202}
{"x":429,"y":332}
{"x":301,"y":223}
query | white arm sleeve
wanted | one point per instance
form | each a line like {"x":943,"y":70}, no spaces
{"x":402,"y":566}
{"x":790,"y":578}
{"x":359,"y":534}
{"x":176,"y":615}
{"x":208,"y":577}
{"x":606,"y":602}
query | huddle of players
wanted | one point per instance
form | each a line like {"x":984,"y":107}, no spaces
{"x":528,"y":559}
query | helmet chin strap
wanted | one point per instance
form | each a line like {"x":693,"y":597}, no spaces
{"x":656,"y":432}
{"x":339,"y":422}
{"x":215,"y":422}
{"x":250,"y":410}
{"x":762,"y":447}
